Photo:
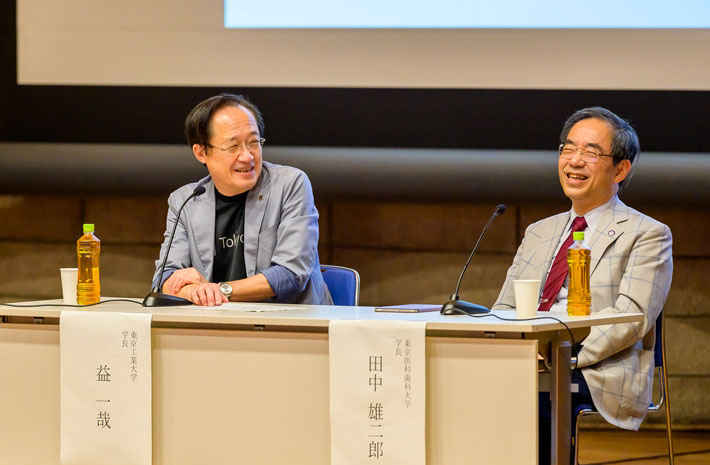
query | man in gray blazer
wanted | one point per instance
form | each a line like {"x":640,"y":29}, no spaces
{"x":631,"y":268}
{"x":252,"y":235}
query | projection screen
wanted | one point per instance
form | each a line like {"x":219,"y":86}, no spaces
{"x":186,"y":43}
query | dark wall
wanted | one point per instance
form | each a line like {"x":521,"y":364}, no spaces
{"x":332,"y":117}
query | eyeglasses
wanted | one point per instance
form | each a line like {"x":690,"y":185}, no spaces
{"x":588,"y":155}
{"x":252,"y":146}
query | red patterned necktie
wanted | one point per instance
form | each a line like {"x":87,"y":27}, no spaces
{"x":559,"y":269}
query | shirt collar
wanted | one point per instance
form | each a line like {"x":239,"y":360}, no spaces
{"x":592,"y":217}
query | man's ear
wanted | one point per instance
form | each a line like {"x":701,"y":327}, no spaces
{"x":199,"y":151}
{"x":622,"y":170}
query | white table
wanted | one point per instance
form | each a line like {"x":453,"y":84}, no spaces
{"x":232,"y":386}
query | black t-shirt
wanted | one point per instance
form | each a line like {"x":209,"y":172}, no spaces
{"x":229,"y":238}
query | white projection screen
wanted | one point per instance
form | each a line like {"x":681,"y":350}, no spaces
{"x":186,"y":43}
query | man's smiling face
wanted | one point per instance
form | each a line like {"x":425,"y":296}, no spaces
{"x":233,"y":157}
{"x":589,"y":185}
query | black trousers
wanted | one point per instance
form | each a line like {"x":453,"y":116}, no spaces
{"x":545,"y":417}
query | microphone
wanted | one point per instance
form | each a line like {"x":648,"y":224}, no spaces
{"x":454,"y":306}
{"x":156,"y":298}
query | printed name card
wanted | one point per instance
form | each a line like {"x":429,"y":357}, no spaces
{"x":377,"y":392}
{"x":105,"y":388}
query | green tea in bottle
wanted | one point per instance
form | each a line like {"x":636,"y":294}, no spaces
{"x":88,"y":248}
{"x":579,"y":294}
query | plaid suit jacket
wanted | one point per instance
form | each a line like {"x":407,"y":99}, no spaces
{"x":631,"y":270}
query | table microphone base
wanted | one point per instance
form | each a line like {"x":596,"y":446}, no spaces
{"x":158,"y":299}
{"x":460,"y":307}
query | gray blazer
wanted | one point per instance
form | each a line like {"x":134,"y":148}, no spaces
{"x":631,"y":272}
{"x":280,"y":228}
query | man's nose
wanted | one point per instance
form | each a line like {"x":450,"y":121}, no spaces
{"x":577,"y":157}
{"x":243,"y":154}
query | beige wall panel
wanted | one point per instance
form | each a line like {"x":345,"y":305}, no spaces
{"x":127,"y":271}
{"x":16,"y":298}
{"x":687,"y":346}
{"x":421,"y":226}
{"x":389,"y":277}
{"x":690,"y":293}
{"x":46,"y":218}
{"x":690,"y":397}
{"x":33,"y":268}
{"x":324,"y":254}
{"x":136,"y":220}
{"x":323,"y":223}
{"x":688,"y":226}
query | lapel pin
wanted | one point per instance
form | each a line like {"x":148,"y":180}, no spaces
{"x":611,"y":232}
{"x":261,"y":197}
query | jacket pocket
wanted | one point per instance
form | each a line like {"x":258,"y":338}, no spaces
{"x":637,"y":384}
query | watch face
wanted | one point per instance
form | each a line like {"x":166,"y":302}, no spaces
{"x":225,"y":289}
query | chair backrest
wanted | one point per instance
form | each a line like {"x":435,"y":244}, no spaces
{"x":658,"y":348}
{"x":343,"y":284}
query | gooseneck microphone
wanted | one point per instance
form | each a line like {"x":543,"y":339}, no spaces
{"x":454,"y":306}
{"x":156,"y":298}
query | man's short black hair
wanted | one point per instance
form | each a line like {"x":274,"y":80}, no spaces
{"x":197,"y":123}
{"x":624,"y":141}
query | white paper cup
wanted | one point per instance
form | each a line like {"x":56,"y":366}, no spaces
{"x":527,"y":292}
{"x":69,"y":278}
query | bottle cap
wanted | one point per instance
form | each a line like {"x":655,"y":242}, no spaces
{"x":88,"y":227}
{"x":578,"y":235}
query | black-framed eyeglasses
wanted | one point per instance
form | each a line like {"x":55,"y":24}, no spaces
{"x":252,"y":145}
{"x":588,"y":155}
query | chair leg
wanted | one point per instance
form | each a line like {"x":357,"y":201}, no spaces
{"x":577,"y":421}
{"x":671,"y":459}
{"x":664,"y":380}
{"x":576,"y":438}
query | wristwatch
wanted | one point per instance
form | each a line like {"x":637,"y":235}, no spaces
{"x":226,"y":289}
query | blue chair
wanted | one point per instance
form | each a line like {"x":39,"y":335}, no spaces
{"x":343,"y":284}
{"x":664,"y":398}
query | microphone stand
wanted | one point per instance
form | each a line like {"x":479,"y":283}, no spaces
{"x":159,"y":299}
{"x":454,"y":306}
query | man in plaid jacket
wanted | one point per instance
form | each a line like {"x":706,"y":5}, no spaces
{"x":631,"y":269}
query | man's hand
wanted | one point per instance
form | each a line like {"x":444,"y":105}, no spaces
{"x":204,"y":294}
{"x":181,"y":278}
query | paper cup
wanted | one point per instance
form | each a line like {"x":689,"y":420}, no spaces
{"x":69,"y":278}
{"x":527,"y":292}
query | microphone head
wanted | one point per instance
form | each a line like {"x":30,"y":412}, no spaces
{"x":500,"y":209}
{"x":199,"y":190}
